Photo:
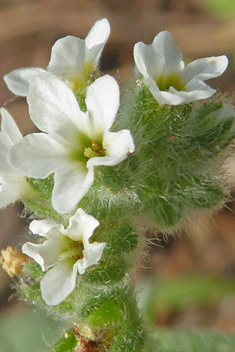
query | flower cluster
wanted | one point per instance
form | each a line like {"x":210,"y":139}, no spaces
{"x":70,"y":145}
{"x":77,"y":136}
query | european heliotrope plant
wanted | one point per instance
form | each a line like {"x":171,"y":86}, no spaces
{"x":102,"y":171}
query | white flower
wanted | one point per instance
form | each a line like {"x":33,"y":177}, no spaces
{"x":167,"y":77}
{"x":64,"y":253}
{"x":72,"y":59}
{"x":12,"y":183}
{"x":74,"y":141}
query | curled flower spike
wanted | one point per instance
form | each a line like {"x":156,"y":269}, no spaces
{"x":72,"y":59}
{"x":13,"y":184}
{"x":74,"y":141}
{"x":167,"y":77}
{"x":64,"y":253}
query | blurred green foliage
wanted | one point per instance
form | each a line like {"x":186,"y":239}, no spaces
{"x":175,"y":295}
{"x":199,"y":341}
{"x":222,"y":8}
{"x":22,"y":330}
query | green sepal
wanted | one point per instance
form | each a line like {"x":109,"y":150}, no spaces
{"x":38,"y":200}
{"x":80,"y":93}
{"x":41,"y":206}
{"x":107,"y":204}
{"x":81,"y":100}
{"x":132,"y":335}
{"x":165,"y":210}
{"x":107,"y":273}
{"x":202,"y":192}
{"x":215,"y":138}
{"x":206,"y":109}
{"x":123,"y":238}
{"x":30,"y":292}
{"x":33,"y":270}
{"x":29,"y":285}
{"x":44,"y":186}
{"x":107,"y":316}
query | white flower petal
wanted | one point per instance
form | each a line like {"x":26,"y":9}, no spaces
{"x":91,"y":255}
{"x":118,"y":146}
{"x":36,"y":155}
{"x":203,"y":69}
{"x":7,"y":196}
{"x":98,"y":34}
{"x":67,"y":57}
{"x":96,"y":39}
{"x":167,"y":97}
{"x":13,"y":185}
{"x":53,"y":107}
{"x":70,"y":187}
{"x":148,"y":61}
{"x":196,"y":90}
{"x":12,"y":191}
{"x":166,"y":46}
{"x":102,"y":103}
{"x":81,"y":226}
{"x":9,"y":127}
{"x":85,"y":127}
{"x":46,"y":254}
{"x":58,"y":282}
{"x":9,"y":135}
{"x":5,"y":145}
{"x":42,"y":227}
{"x":18,"y":81}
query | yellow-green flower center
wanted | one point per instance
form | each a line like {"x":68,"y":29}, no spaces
{"x":173,"y":80}
{"x":74,"y":251}
{"x":79,"y":81}
{"x":95,"y":150}
{"x":87,"y":149}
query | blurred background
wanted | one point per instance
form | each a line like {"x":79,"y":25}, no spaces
{"x":187,"y":280}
